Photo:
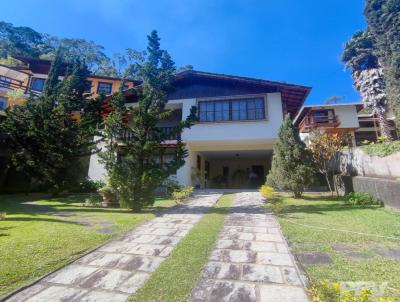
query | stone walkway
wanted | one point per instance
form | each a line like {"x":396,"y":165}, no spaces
{"x":251,"y":260}
{"x":119,"y":268}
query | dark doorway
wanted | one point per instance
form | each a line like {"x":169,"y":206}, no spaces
{"x":258,"y":176}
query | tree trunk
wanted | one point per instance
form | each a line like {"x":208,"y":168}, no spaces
{"x":328,"y":182}
{"x":384,"y":127}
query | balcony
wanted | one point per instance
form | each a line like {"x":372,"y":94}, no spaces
{"x":311,"y":122}
{"x":168,"y":133}
{"x":7,"y":84}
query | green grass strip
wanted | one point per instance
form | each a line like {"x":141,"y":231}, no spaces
{"x":176,"y":276}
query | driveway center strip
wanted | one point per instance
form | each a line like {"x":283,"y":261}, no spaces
{"x":251,"y":260}
{"x":116,"y":270}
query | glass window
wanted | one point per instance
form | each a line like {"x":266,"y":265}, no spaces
{"x":5,"y":82}
{"x":3,"y":103}
{"x":106,"y":88}
{"x":88,"y":87}
{"x":37,"y":84}
{"x":232,"y":110}
{"x":125,"y":87}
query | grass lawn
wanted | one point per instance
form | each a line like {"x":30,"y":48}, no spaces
{"x":176,"y":276}
{"x":40,"y":234}
{"x":319,"y":223}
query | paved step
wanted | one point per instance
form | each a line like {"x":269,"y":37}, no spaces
{"x":116,"y":270}
{"x":251,"y":260}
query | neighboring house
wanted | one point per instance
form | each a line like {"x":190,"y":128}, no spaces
{"x":369,"y":127}
{"x":238,"y":121}
{"x":333,"y":118}
{"x":30,"y":79}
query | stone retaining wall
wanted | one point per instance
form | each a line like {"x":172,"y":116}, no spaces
{"x":356,"y":162}
{"x":385,"y":190}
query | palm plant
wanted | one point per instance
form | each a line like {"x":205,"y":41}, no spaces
{"x":366,"y":71}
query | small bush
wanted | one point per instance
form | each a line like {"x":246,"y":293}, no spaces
{"x":278,"y":207}
{"x":93,"y":200}
{"x":180,"y":195}
{"x":267,"y":191}
{"x":327,"y":291}
{"x":3,"y":215}
{"x":171,"y":185}
{"x":382,"y":149}
{"x":88,"y":185}
{"x":360,"y":198}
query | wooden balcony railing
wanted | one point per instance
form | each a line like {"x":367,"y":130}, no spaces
{"x":168,"y":133}
{"x":12,"y":85}
{"x":310,"y":122}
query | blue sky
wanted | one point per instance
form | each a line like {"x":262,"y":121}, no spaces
{"x":297,"y":41}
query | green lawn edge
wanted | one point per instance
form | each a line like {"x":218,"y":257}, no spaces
{"x":315,"y":223}
{"x":176,"y":276}
{"x":34,"y":243}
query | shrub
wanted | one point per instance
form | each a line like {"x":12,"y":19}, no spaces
{"x":93,"y":200}
{"x":171,"y":185}
{"x":3,"y":215}
{"x":267,"y":191}
{"x":181,"y":194}
{"x":88,"y":185}
{"x":278,"y":207}
{"x":292,"y":166}
{"x":382,"y":149}
{"x":360,"y":198}
{"x":327,"y":291}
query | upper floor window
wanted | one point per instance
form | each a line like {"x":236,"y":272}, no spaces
{"x":232,"y":110}
{"x":125,"y":87}
{"x":5,"y":82}
{"x":3,"y":103}
{"x":37,"y":84}
{"x":323,"y":115}
{"x":88,"y":87}
{"x":106,"y":88}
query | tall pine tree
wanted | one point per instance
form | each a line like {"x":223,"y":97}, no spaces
{"x":50,"y":134}
{"x":134,"y":169}
{"x":383,"y":18}
{"x":292,"y":168}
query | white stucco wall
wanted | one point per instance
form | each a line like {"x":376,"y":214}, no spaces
{"x":96,"y":169}
{"x":237,"y":130}
{"x":347,"y":116}
{"x":240,"y":135}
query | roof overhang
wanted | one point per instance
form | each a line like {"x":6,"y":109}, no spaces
{"x":293,"y":95}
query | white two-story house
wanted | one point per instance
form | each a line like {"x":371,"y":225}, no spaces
{"x":238,"y":120}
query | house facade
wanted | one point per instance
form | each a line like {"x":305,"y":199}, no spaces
{"x":19,"y":82}
{"x":351,"y":118}
{"x":231,"y":144}
{"x":332,"y":118}
{"x":31,"y":76}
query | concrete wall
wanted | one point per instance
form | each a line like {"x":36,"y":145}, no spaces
{"x":356,"y":162}
{"x":385,"y":190}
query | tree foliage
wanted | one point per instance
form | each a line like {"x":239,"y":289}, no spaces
{"x":324,"y":149}
{"x":292,"y":167}
{"x":21,"y":41}
{"x":48,"y":135}
{"x":383,"y":18}
{"x":359,"y":55}
{"x":134,"y":169}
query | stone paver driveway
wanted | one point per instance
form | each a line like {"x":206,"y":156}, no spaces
{"x":117,"y":269}
{"x":251,"y":260}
